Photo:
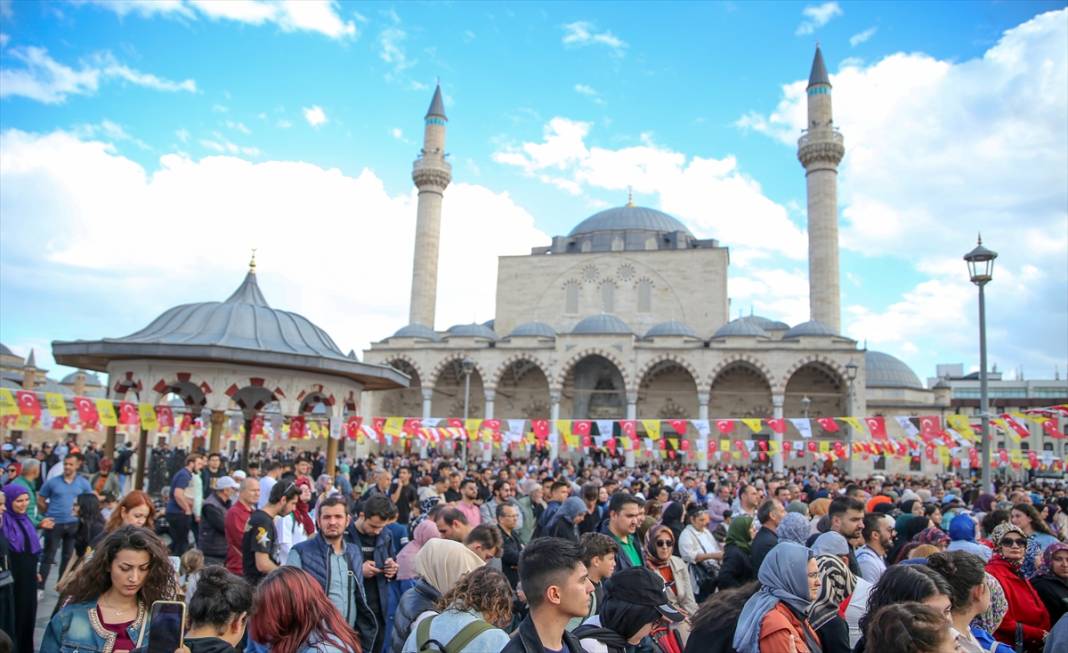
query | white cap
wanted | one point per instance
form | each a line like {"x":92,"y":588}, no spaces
{"x":7,"y":447}
{"x":226,"y":483}
{"x":239,"y":474}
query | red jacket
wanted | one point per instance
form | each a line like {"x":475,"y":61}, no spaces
{"x":236,"y":520}
{"x":1025,"y":607}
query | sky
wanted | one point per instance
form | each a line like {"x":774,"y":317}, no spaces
{"x":147,"y":147}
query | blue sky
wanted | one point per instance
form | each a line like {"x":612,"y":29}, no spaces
{"x":148,"y":146}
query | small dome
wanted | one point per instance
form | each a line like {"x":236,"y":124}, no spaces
{"x":535,"y":329}
{"x":420,"y":331}
{"x":740,"y":327}
{"x":885,"y":371}
{"x":766,"y":323}
{"x":91,"y":380}
{"x":623,"y":218}
{"x":942,"y":384}
{"x":602,"y":324}
{"x":671,"y":328}
{"x":490,"y":324}
{"x":471,"y":331}
{"x":810,"y":328}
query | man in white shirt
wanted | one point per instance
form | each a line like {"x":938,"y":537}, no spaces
{"x":878,"y":533}
{"x":272,"y":472}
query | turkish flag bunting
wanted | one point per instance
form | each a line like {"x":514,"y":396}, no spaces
{"x":1020,"y":429}
{"x":540,"y":428}
{"x":164,"y":416}
{"x":813,"y":446}
{"x":678,"y":425}
{"x":60,"y":423}
{"x":1062,"y":407}
{"x":581,"y":427}
{"x":629,"y":428}
{"x":725,"y":426}
{"x":28,"y":404}
{"x":685,"y":445}
{"x":257,"y":426}
{"x":1049,"y":427}
{"x":352,"y":426}
{"x":712,"y":446}
{"x":87,"y":414}
{"x":611,"y":444}
{"x":412,"y":427}
{"x":828,"y":424}
{"x":876,"y":426}
{"x":930,"y":426}
{"x":297,"y":427}
{"x":787,"y":446}
{"x":762,"y":445}
{"x":128,"y":414}
{"x":187,"y":422}
{"x":587,"y":441}
{"x":378,"y":424}
{"x":778,"y":425}
{"x":494,"y":425}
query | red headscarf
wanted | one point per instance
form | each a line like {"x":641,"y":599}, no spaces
{"x":300,"y":513}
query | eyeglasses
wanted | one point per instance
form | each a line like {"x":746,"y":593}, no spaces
{"x":1013,"y":542}
{"x":663,"y":543}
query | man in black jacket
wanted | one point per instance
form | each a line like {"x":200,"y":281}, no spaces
{"x":769,"y":514}
{"x":213,"y":521}
{"x":507,"y":518}
{"x":557,"y":588}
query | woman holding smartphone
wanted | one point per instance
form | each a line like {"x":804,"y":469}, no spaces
{"x":106,"y":603}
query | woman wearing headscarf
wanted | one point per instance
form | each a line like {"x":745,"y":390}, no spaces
{"x":988,"y":621}
{"x":1025,"y":607}
{"x":836,"y":584}
{"x":737,"y":569}
{"x":907,"y":527}
{"x":1039,"y":537}
{"x":564,"y":523}
{"x":439,"y":564}
{"x":24,"y":549}
{"x":672,"y":518}
{"x":774,"y":620}
{"x":1051,"y":581}
{"x":659,"y":544}
{"x":424,"y":532}
{"x":962,"y":538}
{"x":793,"y":528}
{"x":831,"y":543}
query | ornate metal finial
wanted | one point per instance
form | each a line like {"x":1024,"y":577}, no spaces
{"x":980,"y":238}
{"x":252,"y":262}
{"x":630,"y":196}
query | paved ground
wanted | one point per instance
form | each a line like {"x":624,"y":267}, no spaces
{"x":46,"y":605}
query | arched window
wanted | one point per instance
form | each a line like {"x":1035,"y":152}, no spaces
{"x":645,"y":296}
{"x":571,"y":298}
{"x":608,"y":297}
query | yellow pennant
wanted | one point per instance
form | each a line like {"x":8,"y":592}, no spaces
{"x":852,"y":421}
{"x":961,"y":425}
{"x":393,"y":426}
{"x":24,"y":422}
{"x":724,"y":445}
{"x":755,"y":425}
{"x":773,"y":446}
{"x":825,"y":447}
{"x":563,"y":426}
{"x":148,"y":417}
{"x":8,"y":405}
{"x":652,"y":428}
{"x":55,"y":404}
{"x":106,"y":410}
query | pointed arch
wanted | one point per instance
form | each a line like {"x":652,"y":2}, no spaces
{"x":561,"y":373}
{"x":750,"y":361}
{"x":674,"y":358}
{"x":435,"y":375}
{"x":819,"y":359}
{"x":507,"y":363}
{"x":411,"y":362}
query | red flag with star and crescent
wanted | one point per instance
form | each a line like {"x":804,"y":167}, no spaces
{"x":1019,"y":428}
{"x":87,"y":414}
{"x":930,"y":427}
{"x":725,"y":426}
{"x":128,"y":414}
{"x":629,"y":428}
{"x":540,"y":427}
{"x":581,"y":427}
{"x":679,"y":425}
{"x":777,"y":425}
{"x":876,"y":426}
{"x":164,"y":417}
{"x":297,"y":427}
{"x":828,"y":424}
{"x":1049,"y":427}
{"x":352,"y":426}
{"x":28,"y":404}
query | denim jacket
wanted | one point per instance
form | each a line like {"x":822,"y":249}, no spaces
{"x":77,"y":629}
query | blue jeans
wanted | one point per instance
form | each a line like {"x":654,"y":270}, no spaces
{"x":59,"y":534}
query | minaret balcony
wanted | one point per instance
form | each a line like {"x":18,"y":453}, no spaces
{"x":823,"y":145}
{"x":821,"y":134}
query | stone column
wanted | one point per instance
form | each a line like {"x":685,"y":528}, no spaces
{"x":487,"y":447}
{"x":428,"y":396}
{"x":632,"y":413}
{"x":554,"y":414}
{"x":703,"y":397}
{"x":777,"y":460}
{"x":218,"y":420}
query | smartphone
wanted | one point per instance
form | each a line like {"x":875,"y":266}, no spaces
{"x":166,"y":626}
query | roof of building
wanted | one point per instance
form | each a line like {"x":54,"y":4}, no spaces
{"x":4,"y":351}
{"x":740,"y":327}
{"x":765,"y":323}
{"x":810,"y":328}
{"x":818,"y":75}
{"x":437,"y":106}
{"x":622,"y":218}
{"x":670,"y":328}
{"x":415,"y":330}
{"x":882,"y":370}
{"x":601,"y":324}
{"x":534,"y":329}
{"x":91,"y":380}
{"x":243,"y":329}
{"x":471,"y":331}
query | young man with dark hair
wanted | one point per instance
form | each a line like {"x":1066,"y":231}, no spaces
{"x":404,"y":495}
{"x":452,"y":524}
{"x":557,"y":589}
{"x":468,"y":502}
{"x":878,"y":533}
{"x":769,"y":515}
{"x":211,"y":473}
{"x":369,"y":533}
{"x":485,"y":541}
{"x":599,"y":555}
{"x":847,"y":519}
{"x":55,"y":501}
{"x":624,"y":515}
{"x":502,"y":493}
{"x":259,"y":546}
{"x":590,"y":493}
{"x":337,"y":565}
{"x":558,"y":491}
{"x":180,"y":505}
{"x":748,"y":500}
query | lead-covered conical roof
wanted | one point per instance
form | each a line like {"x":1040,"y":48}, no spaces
{"x":437,"y":106}
{"x":818,"y":75}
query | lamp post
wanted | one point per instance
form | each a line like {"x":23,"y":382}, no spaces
{"x":806,"y":403}
{"x":981,"y":270}
{"x":466,"y":366}
{"x":851,"y":376}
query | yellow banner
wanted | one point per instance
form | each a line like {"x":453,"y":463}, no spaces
{"x":854,"y":422}
{"x":724,"y":445}
{"x":393,"y":426}
{"x":652,"y":428}
{"x":24,"y":422}
{"x":825,"y":447}
{"x":755,"y":425}
{"x":563,"y":426}
{"x":148,"y":417}
{"x":8,"y":405}
{"x":106,"y":411}
{"x":960,"y":424}
{"x":55,"y":404}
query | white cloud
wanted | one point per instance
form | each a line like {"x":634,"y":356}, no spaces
{"x":315,"y":115}
{"x":590,"y":92}
{"x":862,"y":37}
{"x":319,"y":16}
{"x":182,"y":135}
{"x":220,"y":144}
{"x":46,"y":80}
{"x":111,"y":131}
{"x":582,"y":33}
{"x":938,"y":150}
{"x":4,"y":38}
{"x":816,"y":16}
{"x":283,"y":124}
{"x":391,"y":50}
{"x":398,"y":134}
{"x":238,"y":127}
{"x":78,"y":198}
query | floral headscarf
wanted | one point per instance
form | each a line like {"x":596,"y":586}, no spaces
{"x":934,"y":536}
{"x":1047,"y":560}
{"x":999,"y":605}
{"x":999,"y":534}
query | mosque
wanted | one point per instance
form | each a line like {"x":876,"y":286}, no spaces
{"x":626,"y":317}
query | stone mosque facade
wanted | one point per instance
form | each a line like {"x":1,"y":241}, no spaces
{"x":627,"y":317}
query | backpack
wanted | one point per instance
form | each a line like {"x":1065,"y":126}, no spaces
{"x":456,"y":644}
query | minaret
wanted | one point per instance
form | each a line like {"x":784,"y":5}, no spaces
{"x":431,"y":174}
{"x":820,"y":150}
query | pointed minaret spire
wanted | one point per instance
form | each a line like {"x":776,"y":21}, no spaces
{"x":31,"y":360}
{"x":818,"y":75}
{"x":437,"y":106}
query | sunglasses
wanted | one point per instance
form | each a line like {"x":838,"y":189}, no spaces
{"x":1013,"y":542}
{"x":665,"y":543}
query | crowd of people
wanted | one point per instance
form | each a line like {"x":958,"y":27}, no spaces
{"x":399,"y":554}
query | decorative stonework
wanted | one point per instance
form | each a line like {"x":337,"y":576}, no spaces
{"x":561,"y":373}
{"x":819,"y":359}
{"x":751,"y":361}
{"x":674,"y":358}
{"x":590,"y":272}
{"x":505,"y":365}
{"x":626,"y":272}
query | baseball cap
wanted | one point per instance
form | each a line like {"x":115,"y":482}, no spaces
{"x":7,"y":446}
{"x":640,"y":586}
{"x":239,"y":475}
{"x":226,"y":483}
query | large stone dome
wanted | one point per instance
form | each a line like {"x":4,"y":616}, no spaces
{"x":629,"y":218}
{"x":882,"y":370}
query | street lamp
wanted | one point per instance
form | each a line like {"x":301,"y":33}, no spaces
{"x":466,"y":366}
{"x":851,"y":376}
{"x":981,"y":270}
{"x":806,"y":403}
